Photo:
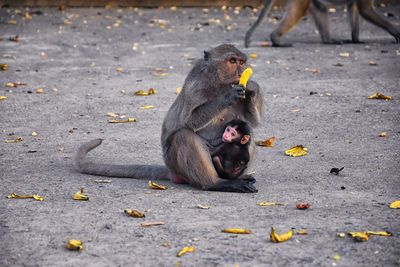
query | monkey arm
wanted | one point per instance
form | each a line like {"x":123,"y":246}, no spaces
{"x":218,"y":164}
{"x":253,"y":103}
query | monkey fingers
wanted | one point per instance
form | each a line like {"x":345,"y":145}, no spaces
{"x":239,"y":91}
{"x":238,"y":186}
{"x":248,"y":178}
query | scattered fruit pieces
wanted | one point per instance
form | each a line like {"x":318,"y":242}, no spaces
{"x":359,"y":236}
{"x":148,"y":224}
{"x":302,"y":232}
{"x":2,"y":97}
{"x":80,"y":195}
{"x":276,"y":238}
{"x":178,"y":90}
{"x":253,"y":55}
{"x":395,"y":204}
{"x":382,"y":134}
{"x":267,"y":143}
{"x":245,"y":77}
{"x":378,"y":95}
{"x":268,"y":204}
{"x":303,"y":206}
{"x":39,"y":91}
{"x":297,"y":151}
{"x":147,"y":107}
{"x":16,"y":140}
{"x":154,"y":185}
{"x":237,"y":231}
{"x":134,"y":213}
{"x":123,"y":121}
{"x":36,"y":197}
{"x":151,"y":91}
{"x":203,"y":207}
{"x":74,"y":244}
{"x":341,"y":235}
{"x":120,"y":69}
{"x":381,"y":233}
{"x":34,"y":134}
{"x":185,"y":250}
{"x":3,"y":67}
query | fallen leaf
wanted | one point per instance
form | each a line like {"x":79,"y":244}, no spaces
{"x":120,"y":69}
{"x":302,"y":232}
{"x":14,"y":84}
{"x":345,"y":54}
{"x":39,"y":91}
{"x":147,"y":107}
{"x":185,"y":250}
{"x":382,"y":134}
{"x":178,"y":90}
{"x":336,"y":257}
{"x":74,"y":244}
{"x":36,"y":197}
{"x":154,"y":185}
{"x":122,"y":121}
{"x":34,"y":134}
{"x":4,"y":67}
{"x":313,"y":70}
{"x":378,"y":95}
{"x":303,"y":206}
{"x":395,"y":204}
{"x":80,"y":195}
{"x":253,"y":55}
{"x":237,"y":231}
{"x":297,"y":151}
{"x":203,"y":207}
{"x":12,"y":21}
{"x":134,"y":213}
{"x":148,"y":224}
{"x":102,"y":181}
{"x":16,"y":140}
{"x":268,"y":204}
{"x":267,"y":142}
{"x":276,"y":238}
{"x":341,"y":235}
{"x":359,"y":236}
{"x":2,"y":97}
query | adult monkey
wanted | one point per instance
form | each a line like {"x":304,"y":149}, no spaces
{"x":296,"y":9}
{"x":210,"y":97}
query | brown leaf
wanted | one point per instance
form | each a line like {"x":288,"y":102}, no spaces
{"x":148,"y":224}
{"x":267,"y":142}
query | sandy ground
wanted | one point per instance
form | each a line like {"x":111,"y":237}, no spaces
{"x":74,"y":55}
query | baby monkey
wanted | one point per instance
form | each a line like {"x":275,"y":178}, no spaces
{"x":231,"y":157}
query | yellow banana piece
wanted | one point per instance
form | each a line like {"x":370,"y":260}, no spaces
{"x":80,"y":196}
{"x":154,"y":185}
{"x":276,"y":238}
{"x":134,"y":213}
{"x":359,"y":236}
{"x":185,"y":250}
{"x":245,"y":77}
{"x":74,"y":244}
{"x":237,"y":231}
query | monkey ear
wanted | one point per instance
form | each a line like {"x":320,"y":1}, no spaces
{"x":206,"y":55}
{"x":245,"y":139}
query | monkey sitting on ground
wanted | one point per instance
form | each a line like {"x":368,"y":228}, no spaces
{"x":296,"y":9}
{"x":211,"y":95}
{"x":230,"y":158}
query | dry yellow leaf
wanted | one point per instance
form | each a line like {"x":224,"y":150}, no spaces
{"x":253,"y":55}
{"x":204,"y":207}
{"x":147,"y":107}
{"x":154,"y":185}
{"x":36,"y":197}
{"x":382,"y":134}
{"x":34,"y":134}
{"x":276,"y":238}
{"x":16,"y":140}
{"x":134,"y":213}
{"x":122,"y":121}
{"x":80,"y":195}
{"x":313,"y":70}
{"x":267,"y":143}
{"x":148,"y":224}
{"x":120,"y":69}
{"x":341,"y":235}
{"x":395,"y":204}
{"x":39,"y":91}
{"x":3,"y":67}
{"x":185,"y":250}
{"x":378,"y":95}
{"x":345,"y":54}
{"x":268,"y":204}
{"x":2,"y":97}
{"x":359,"y":236}
{"x":297,"y":151}
{"x":112,"y":114}
{"x":302,"y":232}
{"x":237,"y":231}
{"x":74,"y":244}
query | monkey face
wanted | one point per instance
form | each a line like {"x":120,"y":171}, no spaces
{"x":231,"y":69}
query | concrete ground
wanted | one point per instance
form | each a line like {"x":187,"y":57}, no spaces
{"x":74,"y":55}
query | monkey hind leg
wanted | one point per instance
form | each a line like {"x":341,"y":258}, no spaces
{"x":156,"y":172}
{"x":189,"y":157}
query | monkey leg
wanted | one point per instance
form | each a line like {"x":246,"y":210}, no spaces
{"x":354,"y":22}
{"x":294,"y":12}
{"x":319,"y":13}
{"x":188,"y":156}
{"x":368,"y":12}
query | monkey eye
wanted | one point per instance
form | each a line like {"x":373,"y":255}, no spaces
{"x":241,"y":62}
{"x":233,"y":60}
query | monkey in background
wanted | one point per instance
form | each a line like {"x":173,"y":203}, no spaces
{"x":296,"y":9}
{"x":211,"y":94}
{"x":230,"y":158}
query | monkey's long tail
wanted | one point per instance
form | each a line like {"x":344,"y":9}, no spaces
{"x":266,"y":9}
{"x":156,"y":172}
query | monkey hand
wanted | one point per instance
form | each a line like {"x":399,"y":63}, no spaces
{"x":237,"y":92}
{"x":248,"y":178}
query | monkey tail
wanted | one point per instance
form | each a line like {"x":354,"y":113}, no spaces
{"x":156,"y":172}
{"x":266,"y":9}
